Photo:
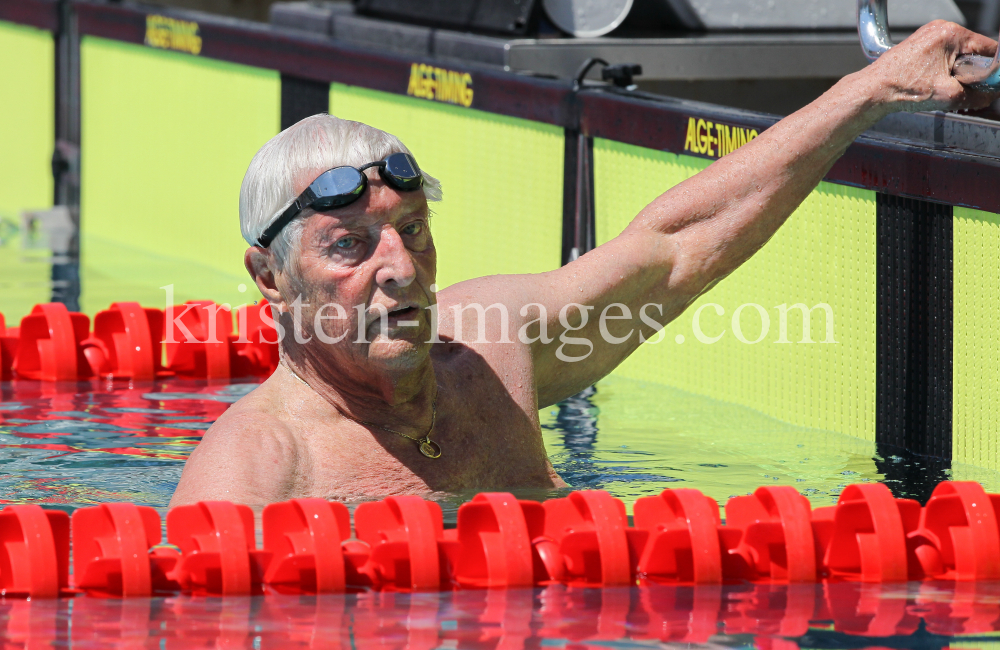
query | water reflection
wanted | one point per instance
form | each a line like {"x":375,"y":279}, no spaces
{"x":845,"y":615}
{"x":72,"y":445}
{"x":576,"y":421}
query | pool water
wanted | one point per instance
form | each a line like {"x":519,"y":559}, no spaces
{"x":70,"y":446}
{"x":67,"y":446}
{"x":780,"y":617}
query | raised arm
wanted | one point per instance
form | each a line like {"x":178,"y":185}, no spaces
{"x":699,"y":231}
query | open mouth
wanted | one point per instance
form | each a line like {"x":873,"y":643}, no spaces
{"x":404,"y":313}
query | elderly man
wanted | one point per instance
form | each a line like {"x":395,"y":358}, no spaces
{"x":386,"y":388}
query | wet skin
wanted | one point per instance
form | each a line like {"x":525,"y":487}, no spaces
{"x":298,"y":434}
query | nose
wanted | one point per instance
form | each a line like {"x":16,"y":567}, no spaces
{"x":395,"y":264}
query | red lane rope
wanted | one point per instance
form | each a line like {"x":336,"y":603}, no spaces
{"x":400,"y":543}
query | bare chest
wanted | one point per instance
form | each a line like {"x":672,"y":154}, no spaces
{"x":487,"y":428}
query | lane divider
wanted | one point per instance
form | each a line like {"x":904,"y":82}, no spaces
{"x":400,"y":543}
{"x":197,"y":339}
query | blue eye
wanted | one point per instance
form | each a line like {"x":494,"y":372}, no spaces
{"x":346,"y":242}
{"x":412,"y":228}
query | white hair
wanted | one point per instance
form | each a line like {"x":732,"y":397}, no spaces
{"x":310,"y":146}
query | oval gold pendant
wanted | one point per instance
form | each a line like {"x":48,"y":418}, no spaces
{"x":430,"y":449}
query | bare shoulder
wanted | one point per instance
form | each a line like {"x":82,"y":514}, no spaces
{"x":249,"y":455}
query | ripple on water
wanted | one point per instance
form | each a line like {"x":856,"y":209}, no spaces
{"x":634,"y":439}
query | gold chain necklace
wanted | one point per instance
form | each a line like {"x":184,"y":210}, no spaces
{"x":427,"y":447}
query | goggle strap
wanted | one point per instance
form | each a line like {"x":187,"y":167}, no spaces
{"x":276,"y":226}
{"x":380,"y":164}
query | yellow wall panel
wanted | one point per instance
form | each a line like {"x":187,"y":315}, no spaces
{"x":167,"y":139}
{"x":27,"y":124}
{"x":976,"y":359}
{"x":502,"y":179}
{"x":824,"y":254}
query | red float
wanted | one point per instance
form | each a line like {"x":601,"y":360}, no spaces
{"x":34,"y":551}
{"x":684,"y":545}
{"x":218,"y":548}
{"x":408,"y":547}
{"x":50,"y":344}
{"x":304,"y":539}
{"x":495,"y":533}
{"x":958,"y":537}
{"x":197,"y":339}
{"x":863,"y":537}
{"x":111,"y":545}
{"x":596,"y":544}
{"x":127,"y":342}
{"x":255,"y":345}
{"x":777,"y":541}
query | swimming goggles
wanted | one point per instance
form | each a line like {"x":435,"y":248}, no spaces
{"x":342,"y":186}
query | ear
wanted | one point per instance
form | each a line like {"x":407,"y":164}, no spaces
{"x":259,"y":263}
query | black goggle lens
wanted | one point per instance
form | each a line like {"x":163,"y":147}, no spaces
{"x":401,"y":171}
{"x":334,"y":188}
{"x":342,"y":186}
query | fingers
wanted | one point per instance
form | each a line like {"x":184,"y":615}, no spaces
{"x":955,"y":38}
{"x":918,"y":74}
{"x":973,"y":43}
{"x":959,"y":41}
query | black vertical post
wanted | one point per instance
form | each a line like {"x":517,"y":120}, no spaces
{"x":578,"y":235}
{"x":66,"y":157}
{"x":301,"y":98}
{"x":569,"y":195}
{"x":914,"y":344}
{"x":587,"y":218}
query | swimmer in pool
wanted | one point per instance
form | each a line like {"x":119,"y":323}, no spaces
{"x":368,"y":400}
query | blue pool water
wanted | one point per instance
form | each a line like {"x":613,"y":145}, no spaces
{"x":72,"y":446}
{"x":848,"y":615}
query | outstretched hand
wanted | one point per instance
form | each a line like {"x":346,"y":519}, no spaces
{"x":916,"y":75}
